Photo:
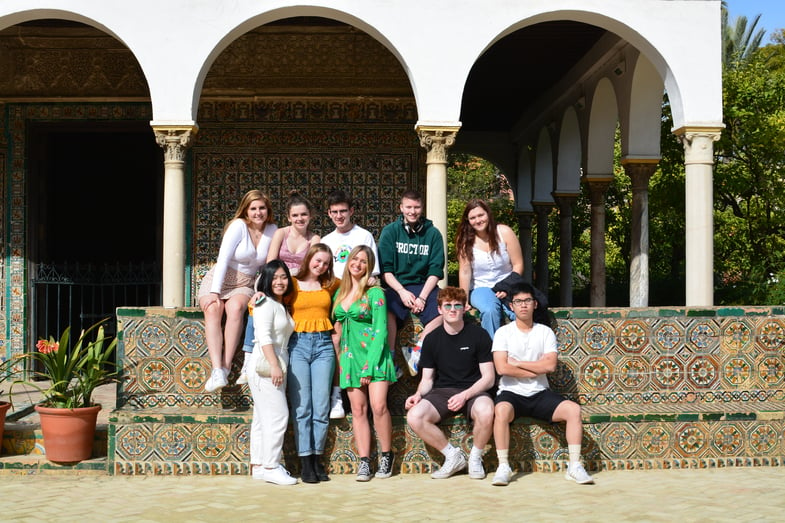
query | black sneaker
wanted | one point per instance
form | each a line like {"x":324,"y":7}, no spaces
{"x":385,"y":465}
{"x":364,"y":470}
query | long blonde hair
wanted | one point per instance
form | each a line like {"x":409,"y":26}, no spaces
{"x":346,"y":282}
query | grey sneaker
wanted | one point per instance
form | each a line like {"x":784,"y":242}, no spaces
{"x":476,"y":470}
{"x":578,"y":474}
{"x":454,"y":463}
{"x":503,"y":475}
{"x":364,"y":470}
{"x":385,"y":465}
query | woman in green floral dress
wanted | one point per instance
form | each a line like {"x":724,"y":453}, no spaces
{"x":365,"y":363}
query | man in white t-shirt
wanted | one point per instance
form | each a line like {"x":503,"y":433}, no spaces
{"x":523,"y":353}
{"x":346,"y":236}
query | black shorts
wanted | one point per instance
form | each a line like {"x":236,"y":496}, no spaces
{"x":540,"y":406}
{"x":401,"y":311}
{"x":439,"y":397}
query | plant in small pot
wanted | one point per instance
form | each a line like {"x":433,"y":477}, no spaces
{"x":68,"y":415}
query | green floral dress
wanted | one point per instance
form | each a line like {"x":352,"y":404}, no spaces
{"x":363,"y":347}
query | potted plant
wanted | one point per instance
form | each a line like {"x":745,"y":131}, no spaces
{"x":5,"y":374}
{"x":68,"y":415}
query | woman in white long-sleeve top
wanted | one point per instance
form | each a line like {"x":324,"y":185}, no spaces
{"x":273,"y":324}
{"x":228,"y":285}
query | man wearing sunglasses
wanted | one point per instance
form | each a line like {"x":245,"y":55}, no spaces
{"x":457,"y":372}
{"x":523,"y":353}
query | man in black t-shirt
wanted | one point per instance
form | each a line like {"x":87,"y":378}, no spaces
{"x":457,"y":372}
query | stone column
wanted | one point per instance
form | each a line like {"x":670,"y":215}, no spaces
{"x":525,"y":237}
{"x":598,"y":187}
{"x":174,"y":140}
{"x":565,"y":202}
{"x":436,"y":140}
{"x":542,"y":209}
{"x":639,"y":171}
{"x":699,"y":220}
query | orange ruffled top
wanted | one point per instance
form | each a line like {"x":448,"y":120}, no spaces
{"x":311,"y":310}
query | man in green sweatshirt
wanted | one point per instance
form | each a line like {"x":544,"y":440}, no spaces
{"x":411,"y":251}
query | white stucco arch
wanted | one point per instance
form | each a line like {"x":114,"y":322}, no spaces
{"x":603,"y":118}
{"x":693,"y":79}
{"x":568,"y":166}
{"x":179,"y":39}
{"x":543,"y":169}
{"x":641,"y":130}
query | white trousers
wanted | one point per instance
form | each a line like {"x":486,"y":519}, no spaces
{"x":270,"y":417}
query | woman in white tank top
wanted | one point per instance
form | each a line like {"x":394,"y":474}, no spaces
{"x":487,"y":253}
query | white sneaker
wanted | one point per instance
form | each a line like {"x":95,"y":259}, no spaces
{"x":412,"y":357}
{"x":336,"y":408}
{"x":455,"y":462}
{"x":503,"y":475}
{"x":578,"y":474}
{"x":278,"y":475}
{"x":242,"y":379}
{"x":217,"y":380}
{"x":476,"y":470}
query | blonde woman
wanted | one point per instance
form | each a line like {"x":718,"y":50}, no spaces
{"x":366,"y":368}
{"x":228,"y":285}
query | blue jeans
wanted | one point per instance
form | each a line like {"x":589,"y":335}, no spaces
{"x":248,"y":341}
{"x":311,"y":368}
{"x":491,"y":308}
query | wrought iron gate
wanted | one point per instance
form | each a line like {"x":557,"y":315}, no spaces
{"x":79,"y":294}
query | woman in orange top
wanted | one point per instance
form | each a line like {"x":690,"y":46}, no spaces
{"x":312,"y":359}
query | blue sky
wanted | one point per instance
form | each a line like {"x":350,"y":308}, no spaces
{"x":772,"y":13}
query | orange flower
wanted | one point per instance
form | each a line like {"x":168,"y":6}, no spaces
{"x":47,"y":347}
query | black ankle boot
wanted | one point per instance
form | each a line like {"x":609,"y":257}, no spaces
{"x":308,"y":474}
{"x":318,"y":467}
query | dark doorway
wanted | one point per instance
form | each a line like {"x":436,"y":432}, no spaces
{"x":95,"y":222}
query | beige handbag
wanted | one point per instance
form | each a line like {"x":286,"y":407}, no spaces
{"x":263,"y":366}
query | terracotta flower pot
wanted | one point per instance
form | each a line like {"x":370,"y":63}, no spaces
{"x":68,"y":433}
{"x":4,"y":406}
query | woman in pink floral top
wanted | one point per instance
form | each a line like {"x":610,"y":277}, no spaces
{"x":366,"y":369}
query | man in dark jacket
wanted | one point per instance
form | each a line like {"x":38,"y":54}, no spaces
{"x":411,"y":250}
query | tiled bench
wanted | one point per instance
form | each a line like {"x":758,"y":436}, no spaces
{"x":660,"y":388}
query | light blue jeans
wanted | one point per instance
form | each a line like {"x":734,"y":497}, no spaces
{"x":310,"y":376}
{"x":491,"y":309}
{"x":248,"y":341}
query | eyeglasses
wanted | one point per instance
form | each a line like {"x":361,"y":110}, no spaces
{"x":525,"y":301}
{"x":451,"y":306}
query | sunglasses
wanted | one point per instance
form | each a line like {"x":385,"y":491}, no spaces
{"x":451,"y":306}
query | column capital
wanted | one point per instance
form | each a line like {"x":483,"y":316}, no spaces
{"x":698,"y":143}
{"x":640,"y":172}
{"x":174,"y":140}
{"x":436,"y":140}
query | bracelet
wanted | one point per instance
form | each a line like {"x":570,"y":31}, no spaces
{"x":420,"y":298}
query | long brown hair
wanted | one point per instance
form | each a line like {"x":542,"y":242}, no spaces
{"x":465,"y":235}
{"x":327,"y":278}
{"x":246,"y":201}
{"x":346,"y":284}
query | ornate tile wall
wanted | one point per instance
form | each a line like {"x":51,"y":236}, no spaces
{"x":366,"y":147}
{"x":674,"y":389}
